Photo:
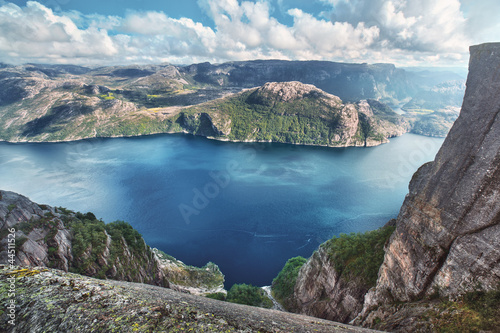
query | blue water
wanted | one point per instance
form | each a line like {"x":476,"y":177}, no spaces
{"x":246,"y":207}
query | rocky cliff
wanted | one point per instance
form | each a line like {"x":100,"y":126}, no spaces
{"x":448,"y":229}
{"x":334,"y":280}
{"x":351,"y":82}
{"x":441,"y":267}
{"x":55,"y":237}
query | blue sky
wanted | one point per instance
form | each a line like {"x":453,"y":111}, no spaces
{"x":106,"y":32}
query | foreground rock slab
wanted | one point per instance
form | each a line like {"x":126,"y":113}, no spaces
{"x":49,"y":300}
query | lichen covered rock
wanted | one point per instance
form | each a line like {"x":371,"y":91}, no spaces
{"x":49,"y":300}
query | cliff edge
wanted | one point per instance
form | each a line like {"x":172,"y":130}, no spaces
{"x":448,"y":230}
{"x":441,"y":267}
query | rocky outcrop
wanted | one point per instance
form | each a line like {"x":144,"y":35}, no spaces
{"x":320,"y":291}
{"x":332,"y":284}
{"x":206,"y":124}
{"x":193,"y":280}
{"x":275,"y":92}
{"x":55,"y":237}
{"x":293,"y":112}
{"x":49,"y":300}
{"x":448,"y":229}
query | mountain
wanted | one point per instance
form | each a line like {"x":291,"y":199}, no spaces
{"x":58,"y":238}
{"x":441,"y":96}
{"x":432,"y":112}
{"x":435,"y":268}
{"x":439,"y":269}
{"x":293,"y":112}
{"x":351,"y":82}
{"x":65,"y":102}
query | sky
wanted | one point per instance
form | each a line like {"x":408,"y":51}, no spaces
{"x":111,"y":32}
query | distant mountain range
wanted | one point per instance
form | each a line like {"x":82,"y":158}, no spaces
{"x":66,"y":102}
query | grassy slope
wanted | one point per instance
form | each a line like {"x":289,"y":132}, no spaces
{"x":309,"y":120}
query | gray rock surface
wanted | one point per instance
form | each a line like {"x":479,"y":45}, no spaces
{"x":321,"y":292}
{"x":448,"y":230}
{"x":55,"y":301}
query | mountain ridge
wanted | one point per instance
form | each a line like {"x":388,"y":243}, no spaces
{"x":66,"y":103}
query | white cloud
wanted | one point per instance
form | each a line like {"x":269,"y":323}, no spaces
{"x":413,"y":25}
{"x":35,"y":33}
{"x":400,"y":31}
{"x":483,"y":20}
{"x":324,"y":36}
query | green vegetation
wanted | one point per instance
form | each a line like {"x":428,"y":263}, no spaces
{"x":248,"y":295}
{"x":217,"y":296}
{"x":208,"y":276}
{"x":19,"y":242}
{"x":306,"y":121}
{"x":477,"y":311}
{"x":122,"y":230}
{"x":11,"y":207}
{"x":359,"y":255}
{"x":46,"y":222}
{"x":90,"y":242}
{"x":89,"y":238}
{"x":63,"y":210}
{"x":284,"y":283}
{"x":107,"y":96}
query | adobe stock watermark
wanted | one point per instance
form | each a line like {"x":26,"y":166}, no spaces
{"x":219,"y":180}
{"x":408,"y":165}
{"x":11,"y":280}
{"x":74,"y":152}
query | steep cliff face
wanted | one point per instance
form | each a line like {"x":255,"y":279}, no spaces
{"x":450,"y":222}
{"x":55,"y":237}
{"x":445,"y":245}
{"x":448,"y":229}
{"x":321,"y":292}
{"x":332,"y":284}
{"x":50,"y":237}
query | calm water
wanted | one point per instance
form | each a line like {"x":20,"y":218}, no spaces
{"x":246,"y":207}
